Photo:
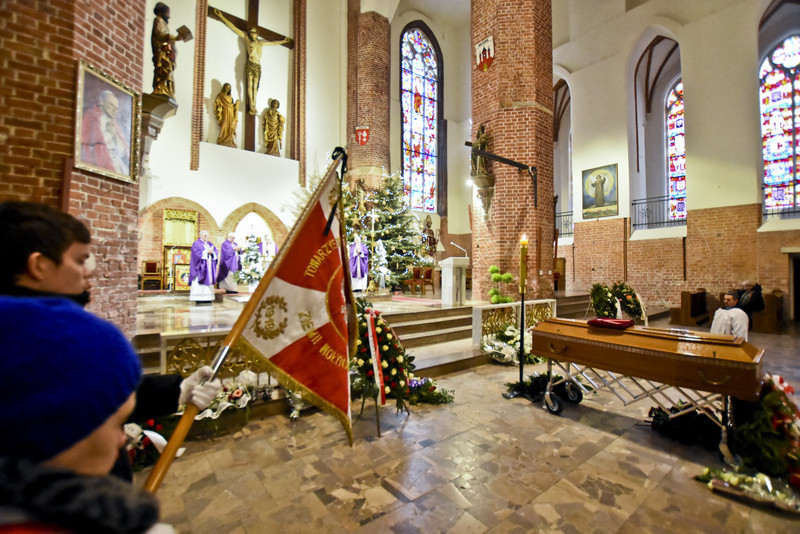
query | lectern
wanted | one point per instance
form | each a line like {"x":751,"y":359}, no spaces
{"x":454,"y":276}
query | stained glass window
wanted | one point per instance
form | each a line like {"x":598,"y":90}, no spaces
{"x":676,"y":153}
{"x":419,"y":97}
{"x":780,"y":125}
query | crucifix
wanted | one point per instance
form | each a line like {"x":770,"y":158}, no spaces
{"x":255,"y":38}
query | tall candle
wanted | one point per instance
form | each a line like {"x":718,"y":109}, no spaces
{"x":523,"y":264}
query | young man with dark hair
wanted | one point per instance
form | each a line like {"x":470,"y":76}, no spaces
{"x":48,"y":255}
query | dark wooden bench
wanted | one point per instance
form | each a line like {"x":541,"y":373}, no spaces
{"x":692,"y":311}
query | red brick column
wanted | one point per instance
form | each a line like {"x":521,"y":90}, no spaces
{"x":37,"y":128}
{"x":368,"y":36}
{"x":514,"y":99}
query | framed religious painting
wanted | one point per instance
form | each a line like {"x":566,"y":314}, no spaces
{"x":107,"y":122}
{"x":600,"y":192}
{"x":182,"y":282}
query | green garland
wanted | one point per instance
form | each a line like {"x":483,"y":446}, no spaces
{"x":603,"y":302}
{"x":628,"y":300}
{"x":605,"y":305}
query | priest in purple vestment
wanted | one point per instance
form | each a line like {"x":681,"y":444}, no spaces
{"x":229,"y":264}
{"x":203,"y":270}
{"x":359,"y":261}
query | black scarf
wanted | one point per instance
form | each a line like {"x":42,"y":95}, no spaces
{"x":80,"y":503}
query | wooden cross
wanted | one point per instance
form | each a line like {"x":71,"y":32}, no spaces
{"x":269,"y":35}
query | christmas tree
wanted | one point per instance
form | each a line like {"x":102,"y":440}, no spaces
{"x":384,"y":215}
{"x":252,"y":264}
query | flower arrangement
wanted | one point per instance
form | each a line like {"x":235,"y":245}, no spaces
{"x":757,"y":488}
{"x":628,"y":300}
{"x":498,"y":277}
{"x":503,"y":346}
{"x":141,"y":450}
{"x":768,"y":433}
{"x":234,"y":394}
{"x":396,"y":367}
{"x":604,"y":303}
{"x":426,"y":390}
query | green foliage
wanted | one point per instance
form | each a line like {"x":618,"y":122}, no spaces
{"x":498,"y":277}
{"x":603,"y":301}
{"x":384,"y":214}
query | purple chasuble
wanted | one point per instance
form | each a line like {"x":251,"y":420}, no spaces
{"x":203,"y":266}
{"x":228,"y":260}
{"x":358,"y":262}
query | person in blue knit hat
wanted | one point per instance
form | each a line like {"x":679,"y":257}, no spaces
{"x":47,"y":254}
{"x":68,"y":380}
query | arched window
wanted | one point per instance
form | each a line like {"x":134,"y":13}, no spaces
{"x":420,"y":75}
{"x":657,"y":165}
{"x":780,"y":125}
{"x":676,"y":153}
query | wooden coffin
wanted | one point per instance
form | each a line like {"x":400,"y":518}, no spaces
{"x":696,"y":360}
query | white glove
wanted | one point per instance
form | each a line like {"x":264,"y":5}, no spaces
{"x":201,"y":395}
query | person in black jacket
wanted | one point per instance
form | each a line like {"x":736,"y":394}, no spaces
{"x":750,"y":299}
{"x":48,"y":254}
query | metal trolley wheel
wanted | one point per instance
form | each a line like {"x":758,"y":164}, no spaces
{"x":553,"y":404}
{"x":574,"y":394}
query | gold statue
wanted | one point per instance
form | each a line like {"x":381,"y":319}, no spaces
{"x":273,"y":129}
{"x":254,"y":46}
{"x":429,"y":241}
{"x":164,"y":51}
{"x":227,"y":112}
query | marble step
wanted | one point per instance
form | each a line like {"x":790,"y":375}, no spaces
{"x":439,"y":336}
{"x":430,"y":325}
{"x":398,"y":318}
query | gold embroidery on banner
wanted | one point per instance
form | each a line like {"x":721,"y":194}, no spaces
{"x":266,"y":325}
{"x":319,"y":258}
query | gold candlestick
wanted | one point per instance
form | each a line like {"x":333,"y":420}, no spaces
{"x":523,"y":264}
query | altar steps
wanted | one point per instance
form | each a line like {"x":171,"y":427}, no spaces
{"x":574,"y":306}
{"x":431,"y":327}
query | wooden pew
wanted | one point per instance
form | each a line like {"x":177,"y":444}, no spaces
{"x":692,"y":311}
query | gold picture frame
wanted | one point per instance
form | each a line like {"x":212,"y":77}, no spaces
{"x":107,"y":122}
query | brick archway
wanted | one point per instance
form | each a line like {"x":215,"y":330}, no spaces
{"x":279,"y":230}
{"x":151,"y":225}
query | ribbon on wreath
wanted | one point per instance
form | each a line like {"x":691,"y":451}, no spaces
{"x":372,"y":342}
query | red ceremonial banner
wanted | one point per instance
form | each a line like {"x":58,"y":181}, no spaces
{"x":300,"y":322}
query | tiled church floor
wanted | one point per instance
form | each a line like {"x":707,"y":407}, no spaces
{"x":481,"y":464}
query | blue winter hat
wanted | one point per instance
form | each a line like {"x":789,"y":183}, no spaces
{"x":63,"y":372}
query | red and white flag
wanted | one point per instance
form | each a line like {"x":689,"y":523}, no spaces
{"x":299,"y":320}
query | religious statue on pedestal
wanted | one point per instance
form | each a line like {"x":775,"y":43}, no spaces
{"x":273,"y":129}
{"x":429,"y":241}
{"x":477,"y":162}
{"x":254,"y":45}
{"x":164,"y":51}
{"x":227,"y":112}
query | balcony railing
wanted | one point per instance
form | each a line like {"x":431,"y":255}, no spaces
{"x":565,"y":224}
{"x":783,"y":212}
{"x":653,"y":212}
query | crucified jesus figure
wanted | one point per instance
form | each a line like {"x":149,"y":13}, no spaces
{"x":254,"y":45}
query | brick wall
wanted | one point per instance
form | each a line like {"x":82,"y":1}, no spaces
{"x":514,"y":99}
{"x":368,"y":93}
{"x":722,"y":249}
{"x":37,"y":127}
{"x":599,"y":247}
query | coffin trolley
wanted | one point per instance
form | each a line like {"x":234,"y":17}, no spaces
{"x":689,"y":371}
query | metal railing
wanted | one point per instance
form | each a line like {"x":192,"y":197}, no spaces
{"x":783,"y":212}
{"x":565,"y":224}
{"x":653,"y":213}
